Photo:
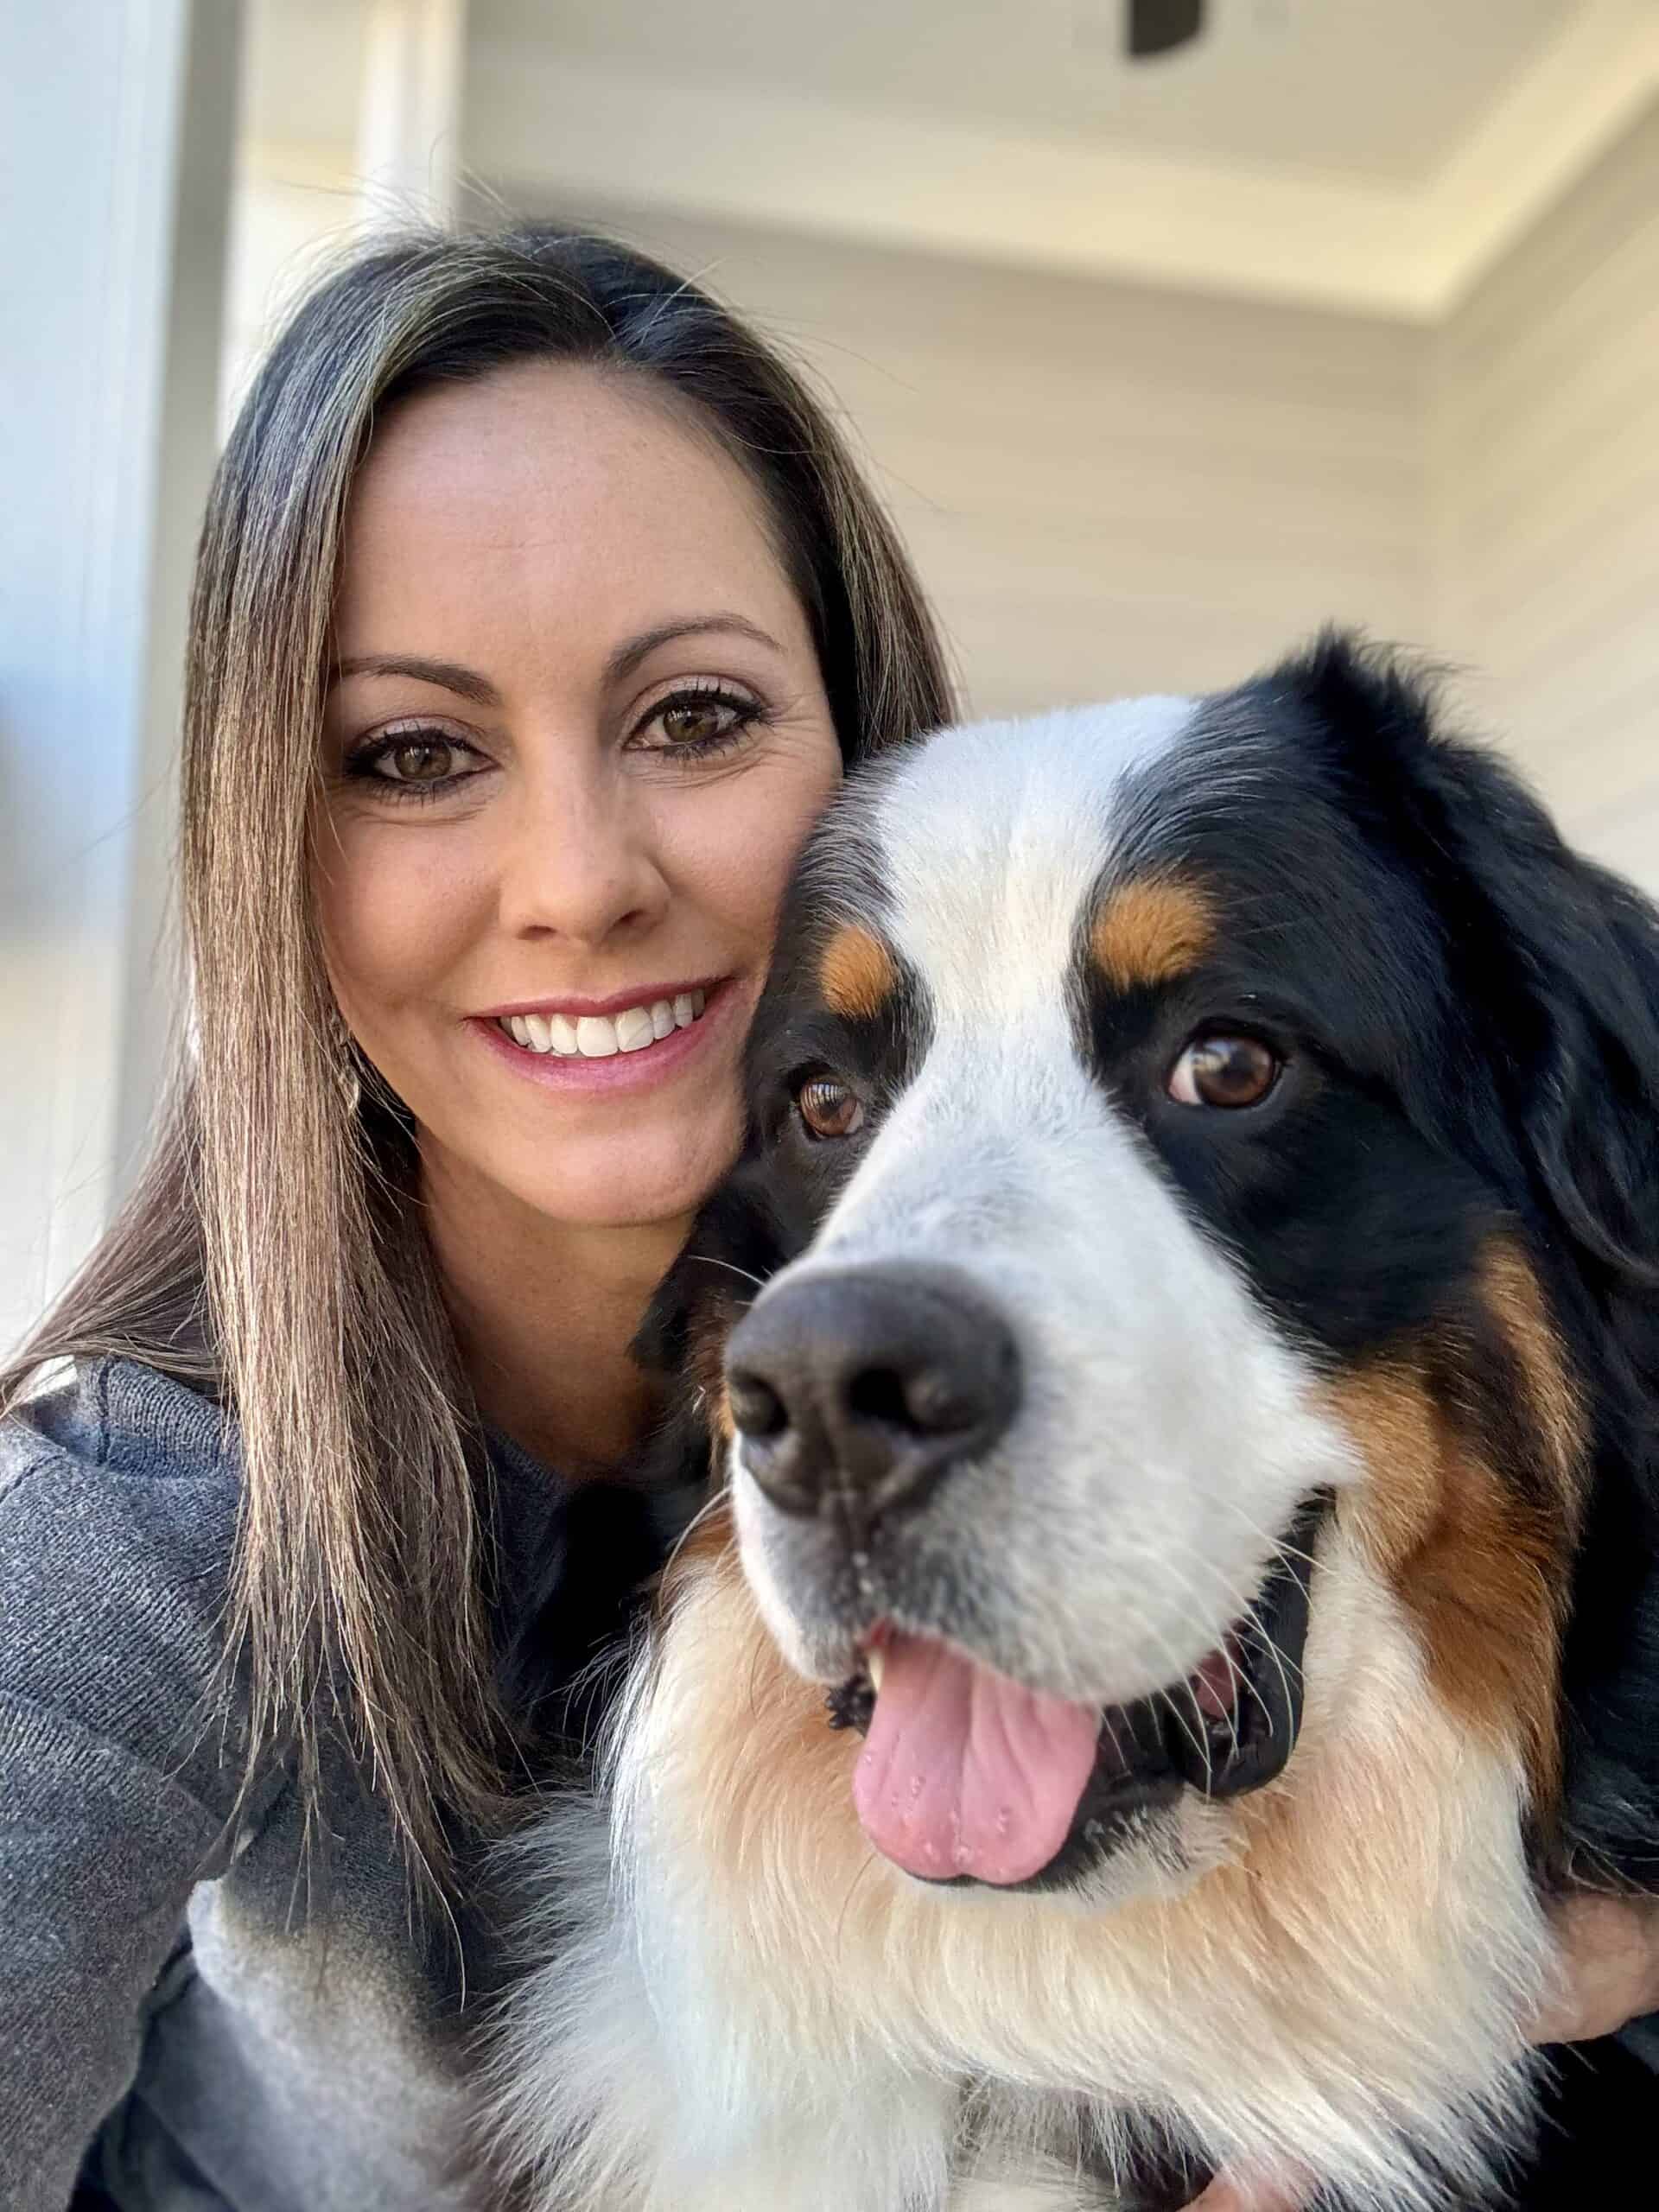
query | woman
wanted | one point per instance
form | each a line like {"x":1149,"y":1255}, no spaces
{"x":532,"y":597}
{"x":538,"y":611}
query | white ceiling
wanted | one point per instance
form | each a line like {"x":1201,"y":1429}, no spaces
{"x":1381,"y":89}
{"x":1367,"y":154}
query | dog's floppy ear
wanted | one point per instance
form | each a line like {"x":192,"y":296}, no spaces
{"x":1588,"y":1085}
{"x":1556,"y":971}
{"x":1558,"y":959}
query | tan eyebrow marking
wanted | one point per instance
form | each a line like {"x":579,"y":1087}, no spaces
{"x":856,"y":973}
{"x":1151,"y":931}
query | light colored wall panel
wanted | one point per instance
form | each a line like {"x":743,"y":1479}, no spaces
{"x":1106,"y":489}
{"x":291,"y":217}
{"x":109,"y":361}
{"x":1545,"y":460}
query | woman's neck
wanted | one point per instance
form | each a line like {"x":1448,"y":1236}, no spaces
{"x":543,"y":1314}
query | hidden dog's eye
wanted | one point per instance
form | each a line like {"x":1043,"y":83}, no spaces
{"x":1227,"y":1072}
{"x":828,"y":1108}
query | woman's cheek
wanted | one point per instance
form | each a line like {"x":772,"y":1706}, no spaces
{"x":762,"y":837}
{"x":398,"y":911}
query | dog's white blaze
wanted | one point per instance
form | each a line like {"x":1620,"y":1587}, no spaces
{"x":991,"y":838}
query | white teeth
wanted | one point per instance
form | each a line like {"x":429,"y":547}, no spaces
{"x":596,"y":1036}
{"x":874,"y":1665}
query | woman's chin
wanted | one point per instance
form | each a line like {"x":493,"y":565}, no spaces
{"x":629,"y":1185}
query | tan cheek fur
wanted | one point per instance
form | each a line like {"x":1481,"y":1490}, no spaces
{"x":1479,"y":1568}
{"x":712,"y":1322}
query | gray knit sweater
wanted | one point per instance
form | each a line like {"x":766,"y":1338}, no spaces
{"x":170,"y":2013}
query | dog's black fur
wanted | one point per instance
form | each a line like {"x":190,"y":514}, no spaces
{"x":1474,"y":1011}
{"x":1504,"y":1064}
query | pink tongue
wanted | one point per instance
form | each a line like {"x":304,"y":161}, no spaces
{"x":964,"y":1772}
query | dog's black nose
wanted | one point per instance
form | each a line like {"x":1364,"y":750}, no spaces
{"x":856,"y":1390}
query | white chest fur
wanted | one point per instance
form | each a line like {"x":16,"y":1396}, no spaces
{"x":739,"y":2006}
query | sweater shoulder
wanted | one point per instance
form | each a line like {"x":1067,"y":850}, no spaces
{"x":120,"y":1493}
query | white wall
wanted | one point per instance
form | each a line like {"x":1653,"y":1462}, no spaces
{"x":1544,"y":437}
{"x":292,"y":210}
{"x":108,"y":363}
{"x":1107,"y":488}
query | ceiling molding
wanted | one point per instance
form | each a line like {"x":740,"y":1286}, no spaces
{"x":541,"y":126}
{"x":1583,"y":91}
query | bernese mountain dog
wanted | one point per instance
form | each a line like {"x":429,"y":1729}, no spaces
{"x":1179,"y":1359}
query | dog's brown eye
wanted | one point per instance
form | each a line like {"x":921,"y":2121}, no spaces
{"x":1223,"y":1071}
{"x":828,"y":1108}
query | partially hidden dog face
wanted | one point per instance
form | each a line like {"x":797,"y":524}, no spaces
{"x":1129,"y":1124}
{"x":1181,"y":1344}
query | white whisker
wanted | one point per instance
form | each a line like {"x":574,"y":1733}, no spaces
{"x":744,"y":1275}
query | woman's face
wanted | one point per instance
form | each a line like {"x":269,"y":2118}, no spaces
{"x":576,"y":733}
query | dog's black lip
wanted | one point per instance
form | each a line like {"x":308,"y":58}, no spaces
{"x":1150,"y":1752}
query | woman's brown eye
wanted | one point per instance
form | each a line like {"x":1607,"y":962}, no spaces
{"x":421,"y":759}
{"x":1223,"y":1071}
{"x":696,"y":721}
{"x":828,"y":1108}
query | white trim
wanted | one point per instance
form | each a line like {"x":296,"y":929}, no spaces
{"x":1586,"y":88}
{"x":311,"y":164}
{"x":551,"y":130}
{"x":109,"y":358}
{"x":408,"y":110}
{"x":552,"y":133}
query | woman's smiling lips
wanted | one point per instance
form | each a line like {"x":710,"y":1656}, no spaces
{"x":608,"y":1034}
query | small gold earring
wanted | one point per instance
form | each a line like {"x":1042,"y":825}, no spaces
{"x":347,"y":1068}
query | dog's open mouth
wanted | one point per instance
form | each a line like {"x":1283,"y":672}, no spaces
{"x":968,"y":1776}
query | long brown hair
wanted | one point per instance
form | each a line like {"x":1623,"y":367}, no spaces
{"x":270,"y":1255}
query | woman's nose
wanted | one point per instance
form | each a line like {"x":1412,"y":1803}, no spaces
{"x":580,"y":862}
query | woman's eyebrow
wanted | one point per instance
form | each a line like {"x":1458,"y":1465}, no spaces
{"x":448,"y":675}
{"x":628,"y":655}
{"x":467,"y":683}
